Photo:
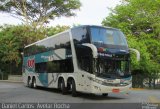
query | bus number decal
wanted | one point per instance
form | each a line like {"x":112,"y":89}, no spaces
{"x":31,"y":63}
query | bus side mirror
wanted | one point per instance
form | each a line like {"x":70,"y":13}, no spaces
{"x":137,"y":53}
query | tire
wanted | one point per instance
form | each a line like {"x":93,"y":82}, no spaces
{"x":34,"y":83}
{"x":29,"y":82}
{"x":73,"y":89}
{"x":105,"y":94}
{"x":62,"y":87}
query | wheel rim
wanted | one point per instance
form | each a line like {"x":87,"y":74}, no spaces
{"x":34,"y":83}
{"x":71,"y":87}
{"x":61,"y":86}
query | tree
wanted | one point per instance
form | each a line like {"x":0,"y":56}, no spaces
{"x":39,"y":12}
{"x":13,"y":39}
{"x":54,"y":30}
{"x":140,"y":21}
{"x":136,"y":17}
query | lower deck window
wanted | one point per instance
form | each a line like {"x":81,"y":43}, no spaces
{"x":65,"y":66}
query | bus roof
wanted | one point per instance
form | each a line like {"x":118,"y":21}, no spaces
{"x":68,"y":31}
{"x":94,"y":26}
{"x":47,"y":38}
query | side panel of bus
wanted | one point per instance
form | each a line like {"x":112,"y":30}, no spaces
{"x":49,"y":59}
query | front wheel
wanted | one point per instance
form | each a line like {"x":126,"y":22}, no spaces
{"x":73,"y":88}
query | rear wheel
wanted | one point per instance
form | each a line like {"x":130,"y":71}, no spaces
{"x":73,"y":88}
{"x":62,"y":87}
{"x":34,"y":83}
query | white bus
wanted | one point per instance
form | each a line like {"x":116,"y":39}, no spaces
{"x":90,"y":59}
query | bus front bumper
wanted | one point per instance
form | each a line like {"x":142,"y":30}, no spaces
{"x":98,"y":88}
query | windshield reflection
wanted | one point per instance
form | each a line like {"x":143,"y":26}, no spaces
{"x":112,"y":68}
{"x":108,"y":36}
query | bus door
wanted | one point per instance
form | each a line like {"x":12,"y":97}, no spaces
{"x":84,"y":60}
{"x":85,"y":66}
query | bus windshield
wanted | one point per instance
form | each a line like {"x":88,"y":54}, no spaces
{"x":108,"y":68}
{"x":108,"y":36}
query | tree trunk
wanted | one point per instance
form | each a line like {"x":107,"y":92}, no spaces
{"x":10,"y":68}
{"x":150,"y":80}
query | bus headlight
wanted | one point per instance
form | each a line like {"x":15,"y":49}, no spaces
{"x":109,"y":83}
{"x":96,"y":80}
{"x":99,"y":81}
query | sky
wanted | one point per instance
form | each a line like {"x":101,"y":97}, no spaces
{"x":92,"y":12}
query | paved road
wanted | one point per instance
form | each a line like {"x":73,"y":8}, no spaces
{"x":17,"y":92}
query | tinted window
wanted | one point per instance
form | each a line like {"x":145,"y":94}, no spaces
{"x":108,"y":36}
{"x":84,"y":58}
{"x":58,"y":66}
{"x":84,"y":54}
{"x":41,"y":67}
{"x":60,"y":41}
{"x":111,"y":68}
{"x":80,"y":35}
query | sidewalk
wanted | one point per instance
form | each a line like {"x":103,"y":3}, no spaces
{"x":11,"y":81}
{"x":137,"y":89}
{"x":144,"y":89}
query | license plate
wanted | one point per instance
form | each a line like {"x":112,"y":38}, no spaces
{"x":115,"y":90}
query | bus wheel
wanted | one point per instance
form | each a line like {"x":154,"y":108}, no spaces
{"x":34,"y":83}
{"x":104,"y":94}
{"x":62,"y":87}
{"x":73,"y":88}
{"x":28,"y":82}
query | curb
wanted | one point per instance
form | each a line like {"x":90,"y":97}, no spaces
{"x":137,"y":89}
{"x":11,"y":81}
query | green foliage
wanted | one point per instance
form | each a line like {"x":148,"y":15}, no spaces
{"x":54,"y":30}
{"x":14,"y":38}
{"x":38,"y":12}
{"x":34,"y":13}
{"x":140,"y":21}
{"x":136,"y":16}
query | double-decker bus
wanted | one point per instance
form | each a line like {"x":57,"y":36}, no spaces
{"x":90,"y":59}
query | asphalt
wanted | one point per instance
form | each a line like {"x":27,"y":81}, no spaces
{"x":16,"y":92}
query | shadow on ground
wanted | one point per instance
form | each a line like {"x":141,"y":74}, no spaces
{"x":88,"y":96}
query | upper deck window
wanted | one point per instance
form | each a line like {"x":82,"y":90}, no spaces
{"x":108,"y":36}
{"x":80,"y":35}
